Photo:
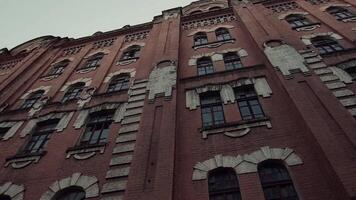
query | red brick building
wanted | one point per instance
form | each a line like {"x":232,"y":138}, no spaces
{"x":219,"y":100}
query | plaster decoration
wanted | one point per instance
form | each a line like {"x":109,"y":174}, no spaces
{"x":262,"y":87}
{"x":324,"y":8}
{"x":204,"y":6}
{"x":307,"y":38}
{"x":130,"y":71}
{"x":192,"y":99}
{"x":103,"y":51}
{"x":64,"y":121}
{"x":44,"y":88}
{"x":86,"y":81}
{"x":80,"y":121}
{"x":89,"y":184}
{"x":18,"y":163}
{"x":70,"y":59}
{"x":127,"y":62}
{"x":162,"y":80}
{"x":247,"y":163}
{"x":308,"y":28}
{"x":85,"y":96}
{"x":38,"y":105}
{"x":341,"y":74}
{"x":283,"y":16}
{"x":227,"y":94}
{"x":16,"y":192}
{"x":217,"y":56}
{"x":242,"y":82}
{"x":171,"y":14}
{"x":286,"y":59}
{"x":86,"y":70}
{"x":120,"y":112}
{"x":29,"y":127}
{"x":14,"y":127}
{"x":238,"y":130}
{"x":85,"y":153}
{"x":208,"y":30}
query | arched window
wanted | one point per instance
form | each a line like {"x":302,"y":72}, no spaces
{"x":200,"y":38}
{"x":119,"y":82}
{"x":222,"y":34}
{"x":73,"y":91}
{"x":223,"y":185}
{"x":211,"y":109}
{"x":93,"y":61}
{"x":276,"y":182}
{"x":340,"y":13}
{"x":58,"y":68}
{"x":297,"y":20}
{"x":326,"y":45}
{"x":232,"y":61}
{"x":5,"y":197}
{"x":205,"y":66}
{"x":71,"y":193}
{"x":32,"y":99}
{"x":132,"y":52}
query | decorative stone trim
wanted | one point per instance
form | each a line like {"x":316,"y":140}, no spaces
{"x":44,"y":88}
{"x":48,"y":78}
{"x":127,"y":62}
{"x":341,"y":74}
{"x":226,"y":91}
{"x":162,"y":80}
{"x":21,"y":161}
{"x":87,"y":82}
{"x":14,"y":126}
{"x":283,"y":16}
{"x":85,"y":152}
{"x":130,"y":71}
{"x":308,"y":28}
{"x":104,"y":51}
{"x":86,"y":70}
{"x":351,"y":19}
{"x":307,"y":38}
{"x":240,"y":129}
{"x":63,"y":59}
{"x":16,"y":192}
{"x":208,"y":30}
{"x":214,"y":44}
{"x":62,"y":124}
{"x":217,"y":56}
{"x":88,"y":183}
{"x":324,"y":8}
{"x":118,"y":116}
{"x":247,"y":163}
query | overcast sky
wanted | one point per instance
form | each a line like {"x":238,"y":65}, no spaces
{"x":22,"y":20}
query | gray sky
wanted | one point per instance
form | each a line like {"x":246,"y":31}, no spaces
{"x":22,"y":20}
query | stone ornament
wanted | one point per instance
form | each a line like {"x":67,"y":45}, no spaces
{"x":86,"y":96}
{"x":341,"y":74}
{"x":38,"y":105}
{"x":18,"y":163}
{"x":89,"y":184}
{"x":83,"y":154}
{"x":307,"y":38}
{"x":11,"y":132}
{"x":12,"y":190}
{"x":247,"y":163}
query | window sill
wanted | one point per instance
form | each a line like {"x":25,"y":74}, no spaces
{"x":236,"y":129}
{"x":24,"y":159}
{"x":336,"y":53}
{"x":107,"y":94}
{"x":348,"y":19}
{"x":127,"y":61}
{"x":83,"y":152}
{"x":50,"y":77}
{"x":213,"y":44}
{"x":85,"y":70}
{"x":308,"y":27}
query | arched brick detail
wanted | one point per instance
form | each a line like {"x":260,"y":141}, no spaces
{"x":324,"y":8}
{"x":130,"y":71}
{"x":247,"y":163}
{"x":87,"y":82}
{"x":88,"y":183}
{"x":12,"y":190}
{"x":307,"y":38}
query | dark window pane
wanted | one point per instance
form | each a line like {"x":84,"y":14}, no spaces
{"x":200,"y":38}
{"x":119,"y":82}
{"x":205,"y":66}
{"x":223,"y":185}
{"x":247,"y":101}
{"x":32,"y":99}
{"x":211,"y":109}
{"x":73,"y":92}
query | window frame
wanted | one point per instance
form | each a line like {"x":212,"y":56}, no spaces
{"x":223,"y":191}
{"x":213,"y":109}
{"x":326,"y":45}
{"x":341,"y":13}
{"x":298,"y":21}
{"x":93,"y":61}
{"x":200,"y":38}
{"x":205,"y":66}
{"x":32,"y":99}
{"x":118,"y":83}
{"x":232,"y":61}
{"x":58,"y":68}
{"x":247,"y":99}
{"x":132,"y":52}
{"x":222,"y":34}
{"x":73,"y":92}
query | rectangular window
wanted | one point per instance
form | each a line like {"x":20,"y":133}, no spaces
{"x":211,"y":109}
{"x":97,"y":128}
{"x":40,"y":136}
{"x":248,"y":103}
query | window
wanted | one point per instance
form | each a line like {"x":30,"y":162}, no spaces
{"x":32,"y":99}
{"x":232,"y":61}
{"x":5,"y":197}
{"x":222,"y":34}
{"x":58,"y":68}
{"x":3,"y":131}
{"x":223,"y":185}
{"x":93,"y":61}
{"x":132,"y":52}
{"x":119,"y":82}
{"x":97,"y":128}
{"x":211,"y":109}
{"x":340,"y":13}
{"x":205,"y":66}
{"x":248,"y":103}
{"x":73,"y":91}
{"x":276,"y":182}
{"x":326,"y":45}
{"x":71,"y":193}
{"x":200,"y":38}
{"x":297,"y":21}
{"x":40,"y":136}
